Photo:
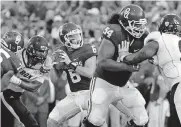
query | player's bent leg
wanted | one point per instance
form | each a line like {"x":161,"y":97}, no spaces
{"x":19,"y":108}
{"x":64,"y":110}
{"x":133,"y":105}
{"x":100,"y":101}
{"x":99,"y":108}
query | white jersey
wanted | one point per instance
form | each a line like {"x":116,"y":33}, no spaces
{"x":29,"y":74}
{"x":168,"y":56}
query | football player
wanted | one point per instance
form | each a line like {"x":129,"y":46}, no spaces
{"x":9,"y":66}
{"x":9,"y":61}
{"x":29,"y":77}
{"x":110,"y":78}
{"x":164,"y":46}
{"x":78,"y":60}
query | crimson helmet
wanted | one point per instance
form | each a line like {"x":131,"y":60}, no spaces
{"x":37,"y":50}
{"x":71,"y":35}
{"x":170,"y":23}
{"x":13,"y":41}
{"x":133,"y":20}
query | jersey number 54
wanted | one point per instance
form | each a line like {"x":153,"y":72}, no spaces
{"x":108,"y":32}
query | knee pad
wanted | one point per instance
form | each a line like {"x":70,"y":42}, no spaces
{"x":99,"y":96}
{"x":52,"y":123}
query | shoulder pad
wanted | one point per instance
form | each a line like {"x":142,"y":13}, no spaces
{"x":155,"y":36}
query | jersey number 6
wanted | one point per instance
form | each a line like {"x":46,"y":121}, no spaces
{"x":94,"y":50}
{"x":74,"y":76}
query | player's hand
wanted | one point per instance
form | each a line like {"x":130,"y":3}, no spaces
{"x":61,"y":56}
{"x":123,"y":50}
{"x":56,"y":56}
{"x":153,"y":60}
{"x":47,"y":65}
{"x":5,"y":80}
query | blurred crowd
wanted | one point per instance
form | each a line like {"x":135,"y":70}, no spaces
{"x":45,"y":17}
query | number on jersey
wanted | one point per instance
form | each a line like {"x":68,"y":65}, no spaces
{"x":108,"y":32}
{"x":74,"y":76}
{"x":94,"y":49}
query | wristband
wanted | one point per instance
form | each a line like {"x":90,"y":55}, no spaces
{"x":73,"y":65}
{"x":15,"y":80}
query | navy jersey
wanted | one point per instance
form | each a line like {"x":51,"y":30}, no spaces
{"x":116,"y":34}
{"x":9,"y":61}
{"x":78,"y":82}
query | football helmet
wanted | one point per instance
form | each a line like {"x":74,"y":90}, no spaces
{"x":170,"y":23}
{"x":132,"y":19}
{"x":71,"y":35}
{"x":37,"y":50}
{"x":13,"y":41}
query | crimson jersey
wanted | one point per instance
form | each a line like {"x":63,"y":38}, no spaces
{"x":78,"y":82}
{"x":9,"y":61}
{"x":116,"y":34}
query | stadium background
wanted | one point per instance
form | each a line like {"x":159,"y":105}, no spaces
{"x":45,"y":17}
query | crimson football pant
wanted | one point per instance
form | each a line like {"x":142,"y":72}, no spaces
{"x":125,"y":99}
{"x":12,"y":100}
{"x":175,"y":105}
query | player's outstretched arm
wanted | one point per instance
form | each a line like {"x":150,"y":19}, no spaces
{"x":88,"y":69}
{"x":29,"y":86}
{"x":105,"y":55}
{"x":147,"y":52}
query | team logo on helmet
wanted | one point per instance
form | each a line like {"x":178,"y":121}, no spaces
{"x":126,"y":13}
{"x":18,"y":39}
